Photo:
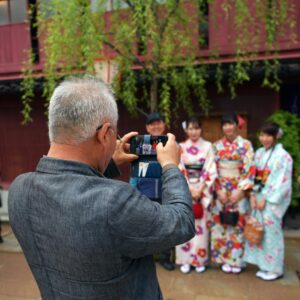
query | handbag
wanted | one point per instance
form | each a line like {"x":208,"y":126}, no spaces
{"x":198,"y":210}
{"x":254,"y":229}
{"x":229,"y":216}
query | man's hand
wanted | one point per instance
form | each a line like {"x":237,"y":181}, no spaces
{"x":121,"y":154}
{"x":261,"y":204}
{"x":222,"y":197}
{"x":170,"y":153}
{"x":236,"y":196}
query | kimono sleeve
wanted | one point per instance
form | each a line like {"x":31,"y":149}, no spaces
{"x":209,"y":173}
{"x":248,"y":167}
{"x":279,"y":183}
{"x":181,"y":165}
{"x":217,"y":185}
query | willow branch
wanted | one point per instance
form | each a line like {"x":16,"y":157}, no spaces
{"x":167,"y":19}
{"x":136,"y":60}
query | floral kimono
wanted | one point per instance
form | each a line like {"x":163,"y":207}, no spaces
{"x":195,"y":252}
{"x":274,"y":169}
{"x":235,"y":172}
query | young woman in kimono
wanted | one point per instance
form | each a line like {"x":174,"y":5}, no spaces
{"x":198,"y":166}
{"x":271,"y":196}
{"x":234,"y":158}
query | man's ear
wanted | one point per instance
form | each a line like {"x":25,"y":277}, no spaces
{"x":102,"y":133}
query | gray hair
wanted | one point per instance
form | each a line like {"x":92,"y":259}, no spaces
{"x":77,"y":107}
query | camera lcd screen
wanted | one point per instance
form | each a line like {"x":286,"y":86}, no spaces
{"x":146,"y":144}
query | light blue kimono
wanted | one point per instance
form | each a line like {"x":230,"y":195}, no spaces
{"x":269,"y":256}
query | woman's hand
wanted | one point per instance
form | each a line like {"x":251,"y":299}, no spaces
{"x":253,"y":201}
{"x":195,"y":193}
{"x":261,"y":204}
{"x":222,"y":197}
{"x":236,"y":196}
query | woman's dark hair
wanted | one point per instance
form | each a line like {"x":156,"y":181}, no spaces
{"x":229,"y":118}
{"x":194,"y":121}
{"x":270,"y":128}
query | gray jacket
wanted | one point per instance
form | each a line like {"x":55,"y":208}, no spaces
{"x":89,"y":237}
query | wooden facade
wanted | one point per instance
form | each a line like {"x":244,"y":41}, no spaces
{"x":22,"y":146}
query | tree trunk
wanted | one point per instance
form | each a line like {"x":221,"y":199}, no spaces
{"x":154,"y":94}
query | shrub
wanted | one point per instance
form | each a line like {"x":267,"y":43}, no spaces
{"x":290,"y":140}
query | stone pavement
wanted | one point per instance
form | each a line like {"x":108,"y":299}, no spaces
{"x":17,"y":283}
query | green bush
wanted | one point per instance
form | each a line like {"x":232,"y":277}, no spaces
{"x":290,"y":140}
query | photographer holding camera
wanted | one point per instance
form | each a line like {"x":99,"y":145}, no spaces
{"x":86,"y":236}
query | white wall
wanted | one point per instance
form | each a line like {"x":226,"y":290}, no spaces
{"x":3,"y":209}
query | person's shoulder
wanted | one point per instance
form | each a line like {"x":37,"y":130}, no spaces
{"x":243,"y":139}
{"x":218,"y":144}
{"x":282,"y":153}
{"x":184,"y":143}
{"x":260,"y":150}
{"x":245,"y":142}
{"x":22,"y":179}
{"x":206,"y":143}
{"x":18,"y":189}
{"x":109,"y":194}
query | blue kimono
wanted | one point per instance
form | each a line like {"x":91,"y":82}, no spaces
{"x":274,"y":167}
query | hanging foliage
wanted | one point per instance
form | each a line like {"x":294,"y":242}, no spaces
{"x":162,"y":49}
{"x":290,"y":124}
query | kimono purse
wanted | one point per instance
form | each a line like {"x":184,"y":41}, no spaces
{"x":254,"y":230}
{"x":198,"y":210}
{"x":229,"y":216}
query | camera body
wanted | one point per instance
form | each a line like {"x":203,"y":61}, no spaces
{"x":146,"y":172}
{"x":145,"y":145}
{"x":260,"y":179}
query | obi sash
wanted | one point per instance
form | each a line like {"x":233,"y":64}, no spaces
{"x":229,"y":168}
{"x":194,"y":172}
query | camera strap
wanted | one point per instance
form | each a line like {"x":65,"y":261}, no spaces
{"x":271,"y":152}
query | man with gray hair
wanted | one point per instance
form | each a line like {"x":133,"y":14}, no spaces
{"x":86,"y":236}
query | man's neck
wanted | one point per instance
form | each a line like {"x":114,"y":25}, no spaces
{"x":71,"y":152}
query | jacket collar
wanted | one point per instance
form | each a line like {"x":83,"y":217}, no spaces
{"x":57,"y":166}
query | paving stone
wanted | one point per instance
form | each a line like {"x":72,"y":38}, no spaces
{"x":17,"y":282}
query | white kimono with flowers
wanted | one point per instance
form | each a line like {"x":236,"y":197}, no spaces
{"x":195,"y":251}
{"x":269,"y":256}
{"x":227,"y":242}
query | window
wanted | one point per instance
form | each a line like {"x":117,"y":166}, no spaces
{"x":13,"y":11}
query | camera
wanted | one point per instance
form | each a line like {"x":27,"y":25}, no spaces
{"x":146,"y":172}
{"x":145,"y":145}
{"x":258,"y":185}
